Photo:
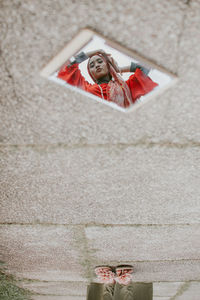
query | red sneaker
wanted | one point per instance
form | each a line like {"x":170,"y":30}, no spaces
{"x":105,"y":274}
{"x":124,"y":274}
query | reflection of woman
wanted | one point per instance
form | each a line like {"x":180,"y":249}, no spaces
{"x":132,"y":291}
{"x":109,"y":85}
{"x":114,"y":283}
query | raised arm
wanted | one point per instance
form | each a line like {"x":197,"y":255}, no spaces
{"x":132,"y":68}
{"x":71,"y":74}
{"x":82,"y":56}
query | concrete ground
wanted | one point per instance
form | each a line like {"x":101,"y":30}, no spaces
{"x":83,"y":184}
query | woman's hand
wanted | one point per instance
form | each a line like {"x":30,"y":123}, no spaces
{"x":99,"y":51}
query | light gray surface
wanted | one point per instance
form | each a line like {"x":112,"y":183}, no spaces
{"x":145,"y":243}
{"x":162,"y":289}
{"x":57,"y":288}
{"x":44,"y":252}
{"x":66,"y":160}
{"x":192,"y":292}
{"x":146,"y":185}
{"x":68,"y":253}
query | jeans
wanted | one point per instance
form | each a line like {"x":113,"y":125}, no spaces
{"x":132,"y":291}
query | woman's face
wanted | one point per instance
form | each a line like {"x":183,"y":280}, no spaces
{"x":98,"y":68}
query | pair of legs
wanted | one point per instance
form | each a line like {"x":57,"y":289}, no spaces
{"x":116,"y":291}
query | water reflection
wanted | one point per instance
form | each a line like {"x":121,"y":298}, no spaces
{"x":105,"y":72}
{"x":116,"y":291}
{"x":108,"y":84}
{"x":118,"y":283}
{"x":115,"y":283}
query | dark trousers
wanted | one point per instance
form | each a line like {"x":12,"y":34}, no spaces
{"x":133,"y":291}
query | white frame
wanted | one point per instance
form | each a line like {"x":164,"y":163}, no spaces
{"x":78,"y":42}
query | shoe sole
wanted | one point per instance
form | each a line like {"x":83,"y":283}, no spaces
{"x":111,"y":268}
{"x":124,"y":267}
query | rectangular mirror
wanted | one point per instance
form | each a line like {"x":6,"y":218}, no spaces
{"x":107,"y":72}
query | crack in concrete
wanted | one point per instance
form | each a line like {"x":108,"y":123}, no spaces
{"x":187,"y":2}
{"x":181,"y":290}
{"x":57,"y":295}
{"x":96,"y":224}
{"x":184,"y":287}
{"x":121,"y":146}
{"x":158,"y":261}
{"x":28,"y":280}
{"x":86,"y":261}
{"x":180,"y":35}
{"x":11,"y":77}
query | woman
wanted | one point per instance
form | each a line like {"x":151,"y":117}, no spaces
{"x":109,"y":85}
{"x":114,"y":283}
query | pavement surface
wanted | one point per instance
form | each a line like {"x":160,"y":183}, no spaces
{"x":83,"y":184}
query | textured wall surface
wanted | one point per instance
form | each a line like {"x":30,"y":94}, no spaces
{"x":83,"y":184}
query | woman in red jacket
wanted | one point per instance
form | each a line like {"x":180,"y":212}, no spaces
{"x":109,"y":85}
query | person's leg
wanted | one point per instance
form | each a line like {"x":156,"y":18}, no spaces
{"x":100,"y":291}
{"x":108,"y":291}
{"x":95,"y":291}
{"x":141,"y":290}
{"x":102,"y":288}
{"x":120,"y":292}
{"x":133,"y":291}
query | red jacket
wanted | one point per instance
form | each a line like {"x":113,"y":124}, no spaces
{"x":138,"y":83}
